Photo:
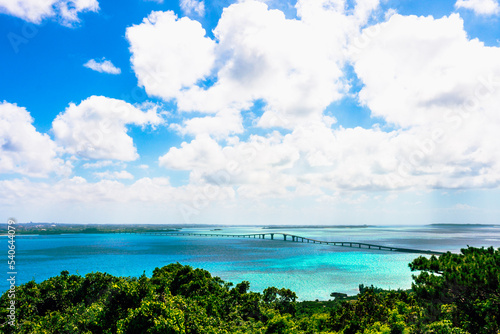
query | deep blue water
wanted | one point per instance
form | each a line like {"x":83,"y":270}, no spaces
{"x":313,"y":271}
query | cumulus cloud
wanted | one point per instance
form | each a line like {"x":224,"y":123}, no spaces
{"x":23,"y":149}
{"x":315,"y":159}
{"x":202,"y":153}
{"x":417,"y":68}
{"x":293,"y":65}
{"x":425,"y":76}
{"x":193,"y":6}
{"x":100,"y":164}
{"x":289,"y":64}
{"x":35,"y":10}
{"x":253,"y":167}
{"x":117,"y":175}
{"x":79,"y":190}
{"x":169,"y":54}
{"x":435,"y":91}
{"x":223,"y":124}
{"x":155,"y":200}
{"x":146,"y":197}
{"x":102,"y":66}
{"x":480,"y":7}
{"x":97,"y":128}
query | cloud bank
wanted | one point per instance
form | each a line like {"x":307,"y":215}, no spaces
{"x":96,"y":128}
{"x":258,"y":108}
{"x":66,"y":11}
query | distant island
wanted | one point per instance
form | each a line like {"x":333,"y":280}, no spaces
{"x":52,"y":228}
{"x":462,"y":225}
{"x":315,"y":226}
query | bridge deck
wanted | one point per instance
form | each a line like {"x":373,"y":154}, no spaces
{"x":297,"y":238}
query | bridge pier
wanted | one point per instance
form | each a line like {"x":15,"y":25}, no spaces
{"x":272,"y":236}
{"x":284,"y":237}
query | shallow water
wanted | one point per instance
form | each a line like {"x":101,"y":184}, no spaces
{"x":313,"y":271}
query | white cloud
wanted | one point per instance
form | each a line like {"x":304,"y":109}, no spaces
{"x":293,"y":65}
{"x":422,"y":75}
{"x":314,"y":158}
{"x":153,"y":199}
{"x":117,"y":175}
{"x":103,"y":66}
{"x":96,"y":128}
{"x":169,"y":54}
{"x":225,"y":123}
{"x":193,"y":6}
{"x":202,"y":153}
{"x":416,"y":65}
{"x":437,"y":89}
{"x":100,"y":164}
{"x":36,"y":10}
{"x":425,"y":76}
{"x":23,"y":149}
{"x":256,"y":167}
{"x":480,"y":7}
{"x":462,"y":206}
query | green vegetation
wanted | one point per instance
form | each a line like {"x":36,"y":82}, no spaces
{"x":453,"y":293}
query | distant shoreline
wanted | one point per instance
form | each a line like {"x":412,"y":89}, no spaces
{"x":270,"y":227}
{"x":463,"y":225}
{"x":58,"y":229}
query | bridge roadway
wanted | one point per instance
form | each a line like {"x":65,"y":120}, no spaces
{"x":297,"y":238}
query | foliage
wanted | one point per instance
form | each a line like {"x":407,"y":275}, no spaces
{"x":462,"y":289}
{"x":452,"y":294}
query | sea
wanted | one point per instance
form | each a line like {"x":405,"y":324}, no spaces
{"x":312,"y":271}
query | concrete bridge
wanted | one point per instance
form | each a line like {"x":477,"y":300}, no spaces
{"x":298,"y":238}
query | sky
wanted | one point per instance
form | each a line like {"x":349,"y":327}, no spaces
{"x":308,"y":112}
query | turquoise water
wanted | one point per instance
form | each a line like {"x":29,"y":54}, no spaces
{"x":313,"y":271}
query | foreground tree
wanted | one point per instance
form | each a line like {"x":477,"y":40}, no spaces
{"x":462,"y":289}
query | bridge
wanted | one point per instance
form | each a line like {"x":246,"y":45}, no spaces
{"x":297,"y":238}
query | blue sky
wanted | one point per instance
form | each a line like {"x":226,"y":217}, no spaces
{"x":272,"y":112}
